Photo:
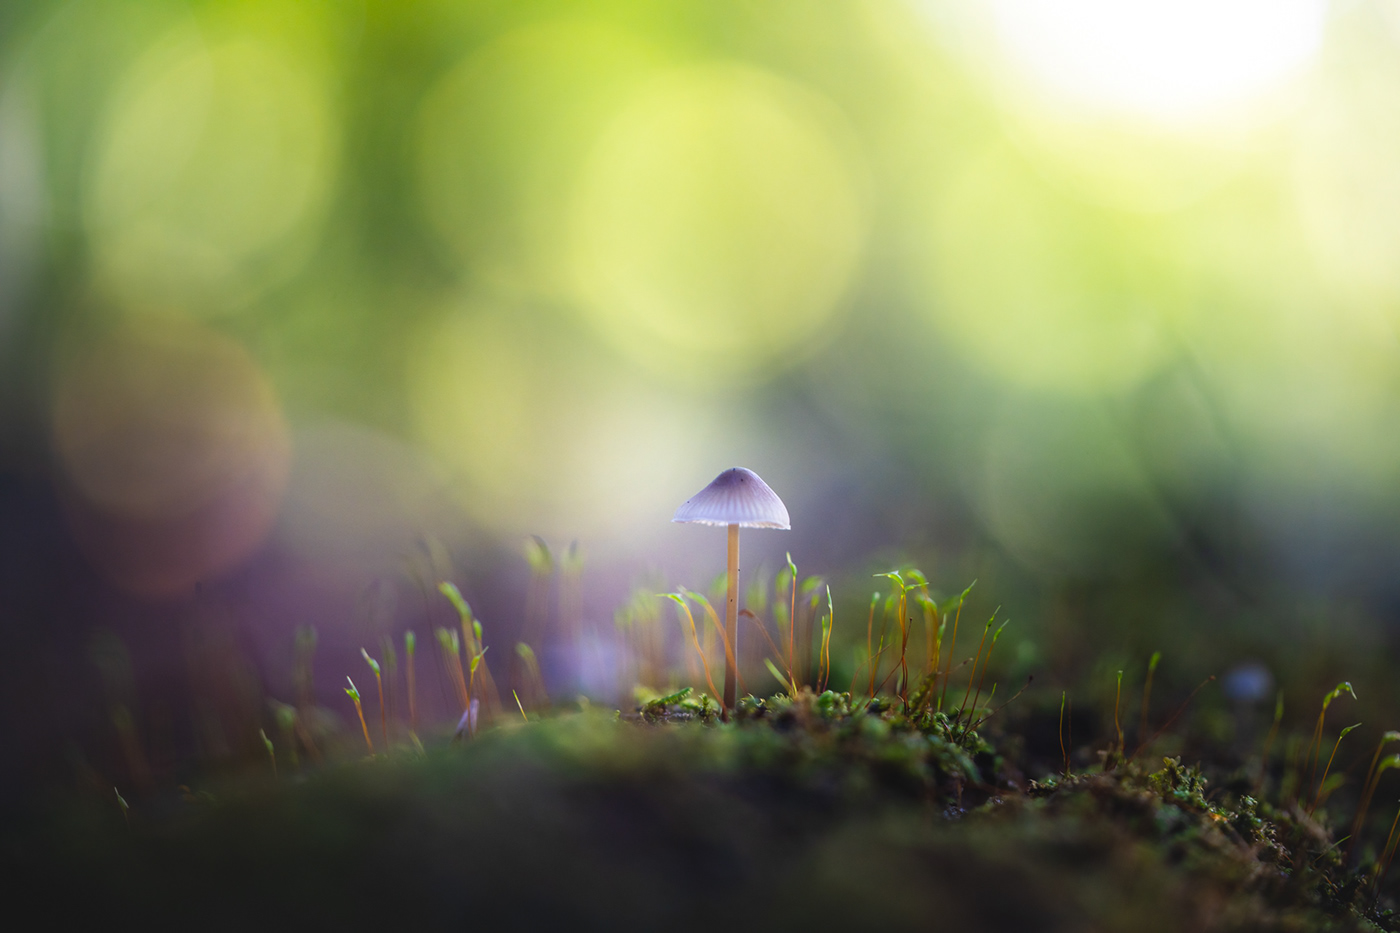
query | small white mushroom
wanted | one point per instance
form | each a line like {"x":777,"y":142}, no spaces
{"x":737,"y":498}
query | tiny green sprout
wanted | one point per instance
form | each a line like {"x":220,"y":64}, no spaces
{"x":354,"y":693}
{"x":454,"y":596}
{"x":271,"y":754}
{"x":893,"y":575}
{"x":788,"y":685}
{"x":1343,"y":687}
{"x":379,"y":683}
{"x":538,"y":557}
{"x":121,"y":803}
{"x":1315,"y":746}
{"x":957,"y":601}
{"x":410,"y":642}
{"x":520,"y":706}
{"x":286,"y":716}
{"x":476,"y":659}
{"x":1322,"y":787}
{"x":534,"y":679}
{"x":477,"y":630}
{"x":1386,"y":763}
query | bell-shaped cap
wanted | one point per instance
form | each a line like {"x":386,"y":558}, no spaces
{"x":736,"y":497}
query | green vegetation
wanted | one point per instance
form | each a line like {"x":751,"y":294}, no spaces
{"x":915,"y":799}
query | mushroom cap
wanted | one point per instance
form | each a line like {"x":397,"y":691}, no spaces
{"x":736,"y":497}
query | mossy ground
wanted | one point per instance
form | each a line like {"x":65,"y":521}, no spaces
{"x":812,"y":813}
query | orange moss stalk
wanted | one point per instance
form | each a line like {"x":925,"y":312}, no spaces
{"x":450,"y":644}
{"x":695,"y":639}
{"x":1117,"y":704}
{"x":410,"y":643}
{"x":995,"y":635}
{"x":534,"y":680}
{"x":869,"y":643}
{"x":1315,"y":746}
{"x":1168,"y":724}
{"x":1269,"y":744}
{"x":379,"y":682}
{"x":952,"y":646}
{"x":902,"y":610}
{"x":1318,"y":795}
{"x":1373,"y":777}
{"x":1383,"y":863}
{"x":720,"y":628}
{"x":967,"y":694}
{"x":827,"y":625}
{"x":354,"y":694}
{"x":1147,"y":692}
{"x":933,"y":629}
{"x":271,"y":752}
{"x":472,"y":641}
{"x":792,"y":623}
{"x":1065,"y":754}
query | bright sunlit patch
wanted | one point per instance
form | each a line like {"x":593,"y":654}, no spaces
{"x":215,"y":161}
{"x":1346,"y":169}
{"x":1171,"y":59}
{"x":718,"y":224}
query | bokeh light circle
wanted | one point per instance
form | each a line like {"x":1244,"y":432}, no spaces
{"x":539,"y":431}
{"x":501,"y":137}
{"x":174,"y":451}
{"x":718,"y":224}
{"x":210,"y":176}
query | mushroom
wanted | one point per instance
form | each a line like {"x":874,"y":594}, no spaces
{"x":737,"y":497}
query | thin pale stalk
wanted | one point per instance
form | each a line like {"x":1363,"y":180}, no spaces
{"x":975,"y":658}
{"x":731,"y":623}
{"x":869,"y":644}
{"x":952,"y":647}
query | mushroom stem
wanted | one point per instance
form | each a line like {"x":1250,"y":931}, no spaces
{"x":731,"y":622}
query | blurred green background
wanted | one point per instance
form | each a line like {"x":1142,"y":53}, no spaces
{"x":1095,"y":302}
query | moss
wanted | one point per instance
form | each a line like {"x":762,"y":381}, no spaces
{"x":814,"y":812}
